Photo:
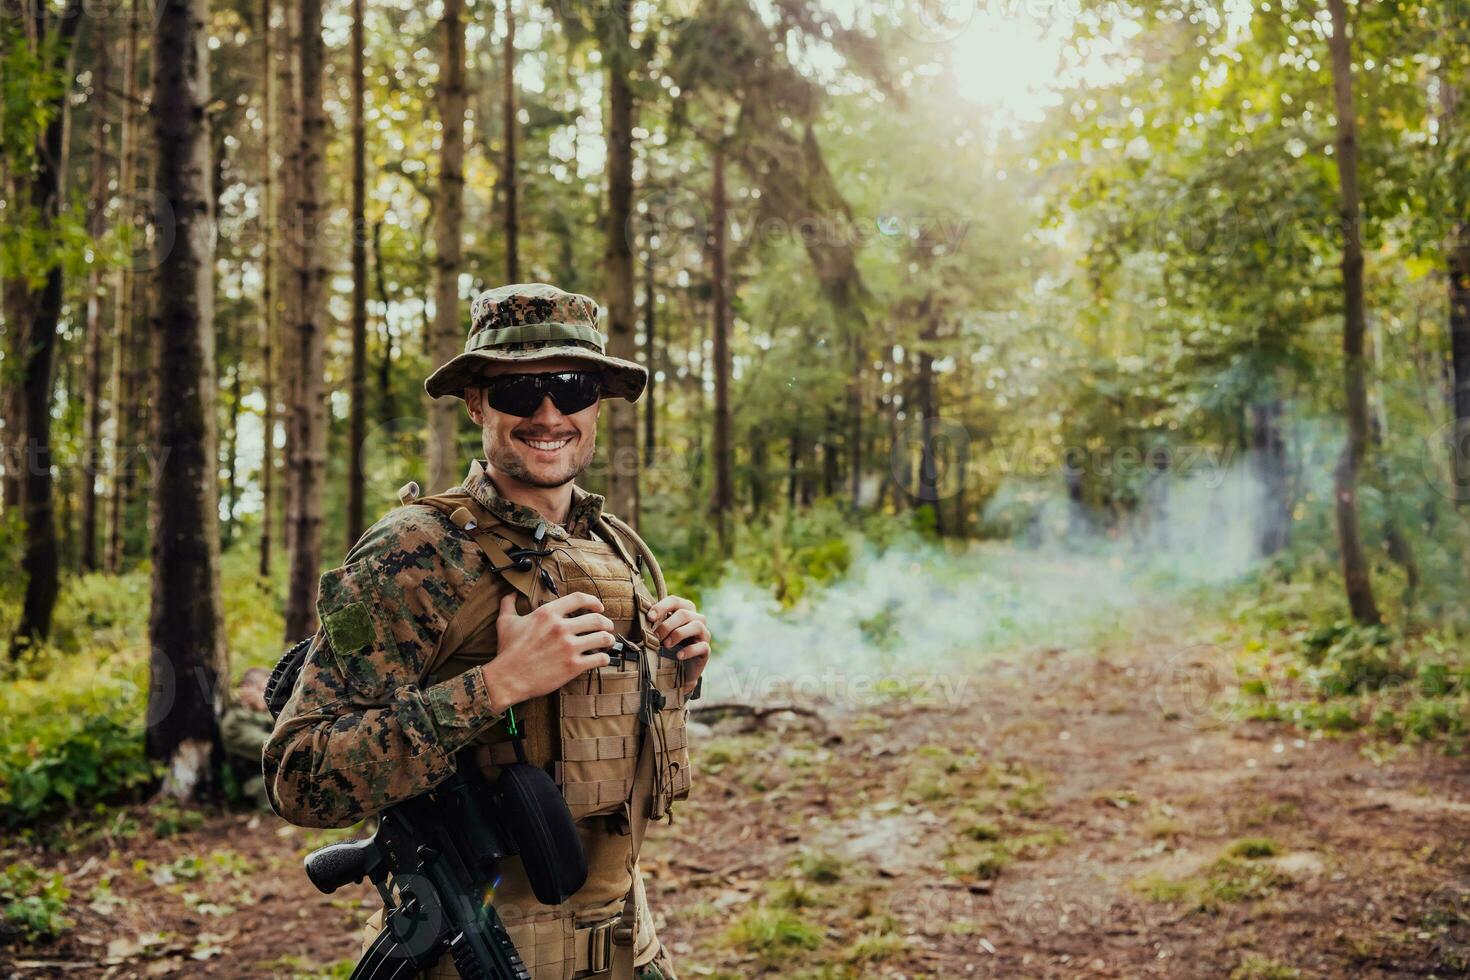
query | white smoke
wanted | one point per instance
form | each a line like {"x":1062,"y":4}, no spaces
{"x":909,"y":614}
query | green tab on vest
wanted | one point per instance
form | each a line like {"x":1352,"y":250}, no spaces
{"x":350,"y":628}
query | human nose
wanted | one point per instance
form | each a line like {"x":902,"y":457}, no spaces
{"x":547,"y":413}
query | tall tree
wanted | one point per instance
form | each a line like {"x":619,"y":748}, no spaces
{"x":1459,"y":286}
{"x":1355,"y":568}
{"x":268,"y":317}
{"x":123,"y":307}
{"x":509,"y":179}
{"x":308,"y":402}
{"x":724,"y":502}
{"x":926,"y":404}
{"x":96,"y":294}
{"x":622,"y":485}
{"x":40,"y":559}
{"x":650,"y":353}
{"x":357,"y":422}
{"x":189,"y":666}
{"x":288,"y":283}
{"x":447,"y":334}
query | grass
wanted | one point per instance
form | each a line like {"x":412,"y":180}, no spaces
{"x":1254,"y":847}
{"x":1300,"y":661}
{"x":1256,"y":967}
{"x":771,"y":934}
{"x":1229,"y":880}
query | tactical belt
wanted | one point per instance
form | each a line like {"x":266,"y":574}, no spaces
{"x":594,"y":948}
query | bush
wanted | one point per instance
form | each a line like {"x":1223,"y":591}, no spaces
{"x":74,"y":739}
{"x":32,"y":903}
{"x":75,"y":710}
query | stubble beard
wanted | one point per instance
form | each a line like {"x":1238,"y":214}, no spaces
{"x":506,"y":460}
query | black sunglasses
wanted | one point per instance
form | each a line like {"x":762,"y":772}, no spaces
{"x":521,"y":394}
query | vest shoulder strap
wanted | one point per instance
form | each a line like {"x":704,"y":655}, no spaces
{"x":467,"y":514}
{"x":616,"y":529}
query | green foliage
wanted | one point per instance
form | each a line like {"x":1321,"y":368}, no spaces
{"x":1301,"y":662}
{"x":820,"y":867}
{"x":789,"y":552}
{"x":772,"y":934}
{"x":1256,"y":967}
{"x":72,"y":739}
{"x":32,"y":903}
{"x":74,"y":736}
{"x":1254,"y":847}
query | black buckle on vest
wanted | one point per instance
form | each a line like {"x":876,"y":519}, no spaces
{"x":621,"y":653}
{"x":653,"y":703}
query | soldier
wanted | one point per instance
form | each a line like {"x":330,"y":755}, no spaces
{"x":244,"y":729}
{"x":482,"y":617}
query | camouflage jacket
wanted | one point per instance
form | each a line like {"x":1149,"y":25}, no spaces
{"x":360,"y":732}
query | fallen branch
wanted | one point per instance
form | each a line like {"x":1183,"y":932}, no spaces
{"x":756,"y":713}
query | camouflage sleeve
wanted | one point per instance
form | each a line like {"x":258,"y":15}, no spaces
{"x":359,"y":733}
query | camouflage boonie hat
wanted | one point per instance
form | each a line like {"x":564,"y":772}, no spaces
{"x":534,"y":322}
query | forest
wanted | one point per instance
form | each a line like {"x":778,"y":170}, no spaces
{"x":1060,"y":409}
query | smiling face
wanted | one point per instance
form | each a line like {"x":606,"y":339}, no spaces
{"x":549,"y":449}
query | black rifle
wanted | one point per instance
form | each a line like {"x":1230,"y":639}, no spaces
{"x":430,"y":860}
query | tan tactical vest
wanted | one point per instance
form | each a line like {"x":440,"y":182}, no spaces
{"x":590,"y":735}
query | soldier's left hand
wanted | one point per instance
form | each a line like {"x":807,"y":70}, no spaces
{"x":675,"y":620}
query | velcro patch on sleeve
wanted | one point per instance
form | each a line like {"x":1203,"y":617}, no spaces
{"x":350,"y":628}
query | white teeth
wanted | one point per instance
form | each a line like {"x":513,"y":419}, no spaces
{"x":540,"y":444}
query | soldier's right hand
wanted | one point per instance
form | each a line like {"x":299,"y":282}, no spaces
{"x":539,"y":652}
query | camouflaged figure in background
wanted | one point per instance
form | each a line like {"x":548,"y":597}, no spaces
{"x":392,"y":690}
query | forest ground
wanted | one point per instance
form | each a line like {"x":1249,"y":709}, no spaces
{"x":1081,"y":812}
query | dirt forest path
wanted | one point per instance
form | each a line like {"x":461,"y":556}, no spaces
{"x":1077,"y":813}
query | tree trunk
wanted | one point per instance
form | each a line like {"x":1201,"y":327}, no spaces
{"x":927,"y":490}
{"x":622,"y":486}
{"x":1268,"y":462}
{"x":831,"y":465}
{"x":1459,"y":290}
{"x":724,"y":502}
{"x":448,"y":333}
{"x":96,"y":293}
{"x":357,"y":422}
{"x":267,"y":295}
{"x":1459,"y":297}
{"x":15,"y":298}
{"x":1356,"y":572}
{"x":189,"y":667}
{"x":855,"y":419}
{"x":288,"y":285}
{"x":308,"y":409}
{"x":508,"y":176}
{"x":123,"y":307}
{"x":385,"y":365}
{"x":40,"y":559}
{"x":650,"y":349}
{"x":232,"y":454}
